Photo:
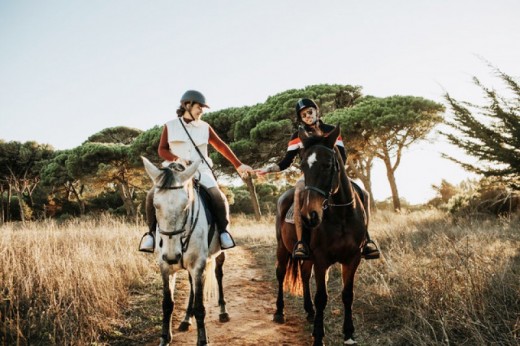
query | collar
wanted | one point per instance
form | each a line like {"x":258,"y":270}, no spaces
{"x":191,"y":122}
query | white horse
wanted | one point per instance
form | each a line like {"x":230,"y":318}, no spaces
{"x":185,"y":240}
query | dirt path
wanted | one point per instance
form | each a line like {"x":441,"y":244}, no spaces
{"x":250,"y":295}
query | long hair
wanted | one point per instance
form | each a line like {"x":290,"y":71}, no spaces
{"x":181,"y":110}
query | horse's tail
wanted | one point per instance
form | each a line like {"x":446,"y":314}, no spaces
{"x":293,"y":277}
{"x":210,"y":281}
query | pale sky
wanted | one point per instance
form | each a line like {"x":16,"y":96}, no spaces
{"x":69,"y":69}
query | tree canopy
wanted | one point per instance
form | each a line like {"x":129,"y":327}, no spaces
{"x":489,"y":132}
{"x":259,"y":134}
{"x":381,"y":128}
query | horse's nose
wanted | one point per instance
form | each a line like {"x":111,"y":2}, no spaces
{"x":172,"y":260}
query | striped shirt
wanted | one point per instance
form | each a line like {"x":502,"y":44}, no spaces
{"x":295,"y":144}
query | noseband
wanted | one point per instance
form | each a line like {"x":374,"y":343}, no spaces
{"x":330,"y":193}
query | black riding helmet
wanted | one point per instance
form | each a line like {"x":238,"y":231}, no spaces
{"x":302,"y":104}
{"x":194,"y":96}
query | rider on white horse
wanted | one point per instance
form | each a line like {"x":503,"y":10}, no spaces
{"x":186,"y":139}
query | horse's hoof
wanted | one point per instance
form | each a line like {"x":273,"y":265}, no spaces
{"x":350,"y":341}
{"x":279,"y":318}
{"x":224,"y":317}
{"x":184,"y":326}
{"x":310,"y":318}
{"x":164,"y":342}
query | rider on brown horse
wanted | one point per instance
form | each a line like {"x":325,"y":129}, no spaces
{"x":307,"y":112}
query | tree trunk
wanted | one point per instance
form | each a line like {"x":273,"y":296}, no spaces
{"x":8,"y":209}
{"x":254,"y":198}
{"x":20,"y":203}
{"x":2,"y":205}
{"x":126,"y":196}
{"x":362,"y":170}
{"x":393,"y":186}
{"x":81,"y":203}
{"x":368,"y":187}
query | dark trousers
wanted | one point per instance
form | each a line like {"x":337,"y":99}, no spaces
{"x":219,"y":206}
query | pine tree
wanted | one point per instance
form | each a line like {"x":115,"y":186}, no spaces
{"x":490,"y":132}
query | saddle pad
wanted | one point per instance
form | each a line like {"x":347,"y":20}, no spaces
{"x":289,"y":217}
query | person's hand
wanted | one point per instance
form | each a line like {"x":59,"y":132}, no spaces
{"x":261,"y":171}
{"x":243,"y":170}
{"x":268,"y":169}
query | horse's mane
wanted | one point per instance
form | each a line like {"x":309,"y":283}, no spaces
{"x":167,"y":178}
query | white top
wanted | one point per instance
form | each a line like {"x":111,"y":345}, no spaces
{"x":181,"y":146}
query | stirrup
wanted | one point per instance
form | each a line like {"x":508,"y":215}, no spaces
{"x":370,"y":252}
{"x":226,"y":241}
{"x":147,"y":243}
{"x":300,"y":252}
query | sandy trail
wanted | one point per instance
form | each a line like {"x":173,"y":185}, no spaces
{"x":250,"y":297}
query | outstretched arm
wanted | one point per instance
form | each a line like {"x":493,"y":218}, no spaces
{"x":226,"y":151}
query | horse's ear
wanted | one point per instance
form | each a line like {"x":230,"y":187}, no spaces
{"x":302,"y":134}
{"x":152,"y":171}
{"x":190,"y":170}
{"x":332,"y":137}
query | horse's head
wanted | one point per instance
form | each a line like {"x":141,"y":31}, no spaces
{"x":321,"y":169}
{"x":172,"y":198}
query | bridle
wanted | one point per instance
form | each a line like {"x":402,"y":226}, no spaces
{"x":327,"y":195}
{"x":185,"y":231}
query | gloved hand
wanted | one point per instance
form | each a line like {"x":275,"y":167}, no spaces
{"x":243,"y":170}
{"x":268,"y":169}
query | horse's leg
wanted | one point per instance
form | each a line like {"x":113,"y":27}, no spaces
{"x":282,"y":257}
{"x":306,"y":270}
{"x":186,"y":323}
{"x":219,"y":273}
{"x":167,"y":305}
{"x":347,"y":295}
{"x":282,"y":254}
{"x":320,"y":301}
{"x":199,"y":311}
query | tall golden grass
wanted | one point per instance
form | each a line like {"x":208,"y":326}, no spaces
{"x":441,"y":281}
{"x":66,"y":283}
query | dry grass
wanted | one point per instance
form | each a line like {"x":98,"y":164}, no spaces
{"x":66,"y":284}
{"x":440,"y":283}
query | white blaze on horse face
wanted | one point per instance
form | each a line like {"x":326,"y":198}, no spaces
{"x":311,"y":159}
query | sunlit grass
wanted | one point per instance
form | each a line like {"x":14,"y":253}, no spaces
{"x":440,"y":282}
{"x":66,"y":284}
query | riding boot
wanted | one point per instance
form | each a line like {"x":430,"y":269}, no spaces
{"x":300,"y":250}
{"x":147,"y":243}
{"x":370,"y":249}
{"x":221,"y":209}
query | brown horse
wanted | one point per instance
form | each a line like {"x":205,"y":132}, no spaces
{"x":335,"y":218}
